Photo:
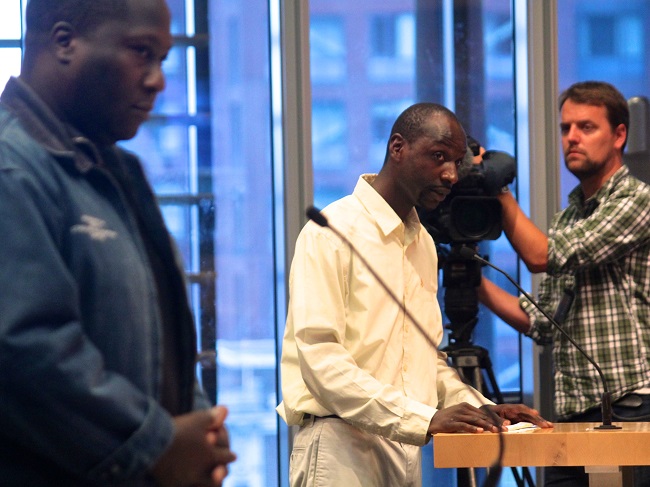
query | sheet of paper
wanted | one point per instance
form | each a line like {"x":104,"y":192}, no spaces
{"x":519,"y":427}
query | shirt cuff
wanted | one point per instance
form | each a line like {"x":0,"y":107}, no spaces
{"x":415,"y":423}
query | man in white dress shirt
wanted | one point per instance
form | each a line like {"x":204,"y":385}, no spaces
{"x":367,"y":388}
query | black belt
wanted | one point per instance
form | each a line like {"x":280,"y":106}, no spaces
{"x":308,"y":417}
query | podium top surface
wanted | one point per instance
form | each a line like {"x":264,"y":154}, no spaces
{"x":564,"y":445}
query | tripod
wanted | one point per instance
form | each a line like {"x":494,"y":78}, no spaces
{"x":461,"y":279}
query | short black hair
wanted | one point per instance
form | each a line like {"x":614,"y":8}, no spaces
{"x":411,"y":124}
{"x":600,"y":93}
{"x":83,"y":15}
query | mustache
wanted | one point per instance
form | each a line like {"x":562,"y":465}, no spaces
{"x":442,"y":185}
{"x":573,"y":148}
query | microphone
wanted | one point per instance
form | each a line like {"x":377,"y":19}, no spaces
{"x":560,"y":315}
{"x":315,"y":215}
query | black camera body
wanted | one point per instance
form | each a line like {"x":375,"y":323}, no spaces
{"x":472,"y":212}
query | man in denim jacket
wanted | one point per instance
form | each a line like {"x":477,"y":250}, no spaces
{"x":97,"y":345}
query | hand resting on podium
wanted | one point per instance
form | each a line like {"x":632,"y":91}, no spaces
{"x":464,"y":418}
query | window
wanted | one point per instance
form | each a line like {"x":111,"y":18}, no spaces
{"x":328,"y":49}
{"x":391,"y":46}
{"x":330,"y":135}
{"x":614,"y":41}
{"x":382,"y":116}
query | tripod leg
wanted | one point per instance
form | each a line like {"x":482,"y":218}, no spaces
{"x":466,"y":477}
{"x":518,"y":480}
{"x":529,"y":478}
{"x":493,"y":382}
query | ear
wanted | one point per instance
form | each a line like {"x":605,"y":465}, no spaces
{"x":396,"y":145}
{"x":621,"y":135}
{"x":63,"y":38}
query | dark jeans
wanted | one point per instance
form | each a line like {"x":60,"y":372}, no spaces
{"x":576,"y":476}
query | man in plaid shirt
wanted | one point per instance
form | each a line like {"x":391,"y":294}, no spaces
{"x":597,"y":249}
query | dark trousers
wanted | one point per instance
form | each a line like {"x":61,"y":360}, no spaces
{"x":576,"y":476}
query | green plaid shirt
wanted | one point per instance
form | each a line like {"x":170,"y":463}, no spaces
{"x":599,"y":248}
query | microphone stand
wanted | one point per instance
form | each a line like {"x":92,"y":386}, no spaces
{"x":606,"y":403}
{"x":315,"y":215}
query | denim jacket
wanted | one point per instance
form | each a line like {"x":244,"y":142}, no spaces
{"x":80,"y":328}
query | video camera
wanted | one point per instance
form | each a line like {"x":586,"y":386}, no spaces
{"x":471,"y":212}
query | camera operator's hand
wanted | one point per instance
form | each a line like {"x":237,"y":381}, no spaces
{"x":499,"y":168}
{"x":500,"y":171}
{"x":478,"y":159}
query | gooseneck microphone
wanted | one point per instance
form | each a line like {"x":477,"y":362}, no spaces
{"x":560,"y":314}
{"x":315,"y":215}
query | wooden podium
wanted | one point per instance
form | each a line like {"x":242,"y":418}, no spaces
{"x":605,"y":454}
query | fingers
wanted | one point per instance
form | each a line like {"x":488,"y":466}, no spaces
{"x":487,"y":419}
{"x":219,"y":474}
{"x":521,"y":412}
{"x":538,"y":420}
{"x":218,"y":415}
{"x":218,"y":434}
{"x":464,"y":418}
{"x":469,"y":425}
{"x":219,"y":439}
{"x":533,"y":416}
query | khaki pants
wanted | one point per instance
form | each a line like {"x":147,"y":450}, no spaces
{"x":328,"y":452}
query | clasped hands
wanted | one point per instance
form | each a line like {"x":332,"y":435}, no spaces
{"x":199,"y":453}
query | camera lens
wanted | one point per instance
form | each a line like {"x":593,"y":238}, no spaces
{"x":476,"y":218}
